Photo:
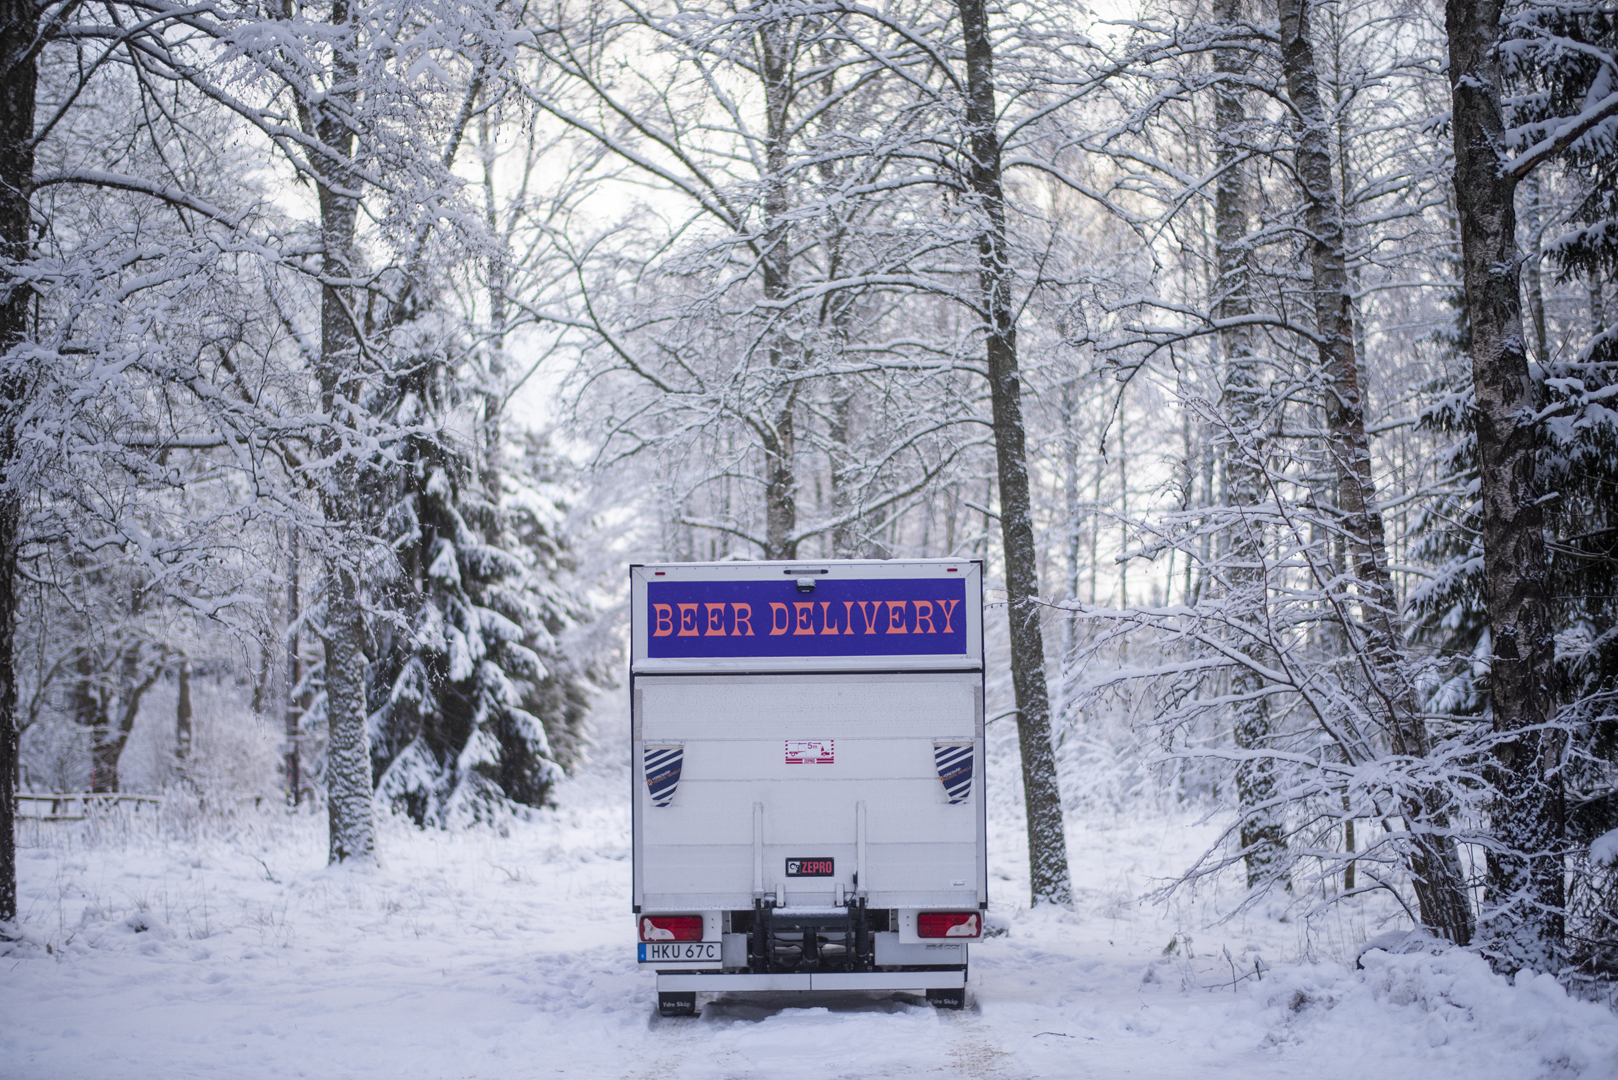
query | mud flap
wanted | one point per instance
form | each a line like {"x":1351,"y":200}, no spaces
{"x":679,"y":1004}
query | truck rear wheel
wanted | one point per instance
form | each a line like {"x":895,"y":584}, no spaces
{"x":677,"y":1004}
{"x":947,"y":999}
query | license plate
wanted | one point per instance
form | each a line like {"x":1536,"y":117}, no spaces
{"x":672,"y":951}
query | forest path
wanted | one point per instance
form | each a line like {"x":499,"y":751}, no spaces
{"x":509,"y":956}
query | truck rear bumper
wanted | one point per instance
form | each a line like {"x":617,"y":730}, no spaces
{"x":715,"y":982}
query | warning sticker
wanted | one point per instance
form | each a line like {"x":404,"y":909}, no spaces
{"x":811,"y":751}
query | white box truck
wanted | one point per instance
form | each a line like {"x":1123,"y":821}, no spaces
{"x":808,"y":776}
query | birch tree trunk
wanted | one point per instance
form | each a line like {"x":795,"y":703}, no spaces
{"x":19,"y":75}
{"x":1435,"y":866}
{"x":1047,"y":839}
{"x":843,"y":470}
{"x":836,"y":318}
{"x":1262,"y":830}
{"x":779,"y":429}
{"x":493,"y":430}
{"x":1522,"y":922}
{"x":348,"y":754}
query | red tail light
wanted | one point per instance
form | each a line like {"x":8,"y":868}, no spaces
{"x":949,"y":924}
{"x":671,"y":928}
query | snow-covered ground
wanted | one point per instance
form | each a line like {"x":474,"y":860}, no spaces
{"x":509,"y":956}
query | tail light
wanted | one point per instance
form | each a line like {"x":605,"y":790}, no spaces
{"x":671,"y":928}
{"x":949,"y":924}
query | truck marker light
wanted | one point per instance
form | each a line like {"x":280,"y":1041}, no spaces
{"x":948,"y":924}
{"x":671,"y":928}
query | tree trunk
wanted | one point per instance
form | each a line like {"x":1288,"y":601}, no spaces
{"x":1263,"y":832}
{"x":494,"y":392}
{"x":293,"y":763}
{"x":780,"y":434}
{"x":1123,"y":510}
{"x":105,"y":750}
{"x":19,"y":75}
{"x":89,"y":708}
{"x":836,"y":320}
{"x":843,"y":471}
{"x":1047,"y":840}
{"x":182,"y":711}
{"x":1435,"y":866}
{"x":109,"y":737}
{"x":1072,"y":533}
{"x":348,"y":754}
{"x":1524,"y":899}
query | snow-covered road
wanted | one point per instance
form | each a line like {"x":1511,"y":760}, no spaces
{"x":490,"y":956}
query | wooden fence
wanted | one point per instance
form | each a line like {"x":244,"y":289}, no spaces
{"x":78,"y":805}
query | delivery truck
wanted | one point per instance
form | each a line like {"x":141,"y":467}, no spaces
{"x":808,"y":808}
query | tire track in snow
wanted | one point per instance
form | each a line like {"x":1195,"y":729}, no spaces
{"x":975,"y":1053}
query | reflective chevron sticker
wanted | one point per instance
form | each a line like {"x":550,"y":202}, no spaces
{"x":663,"y":772}
{"x":954,"y":761}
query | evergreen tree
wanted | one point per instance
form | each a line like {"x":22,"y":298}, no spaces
{"x":1563,"y":64}
{"x":477,"y":708}
{"x":1561,"y":108}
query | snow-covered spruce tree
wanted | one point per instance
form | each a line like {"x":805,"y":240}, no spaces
{"x":1562,"y":103}
{"x":1577,"y":455}
{"x":536,"y":500}
{"x":1576,"y":49}
{"x":470,"y":681}
{"x":346,"y":107}
{"x":368,"y":103}
{"x":1562,"y":58}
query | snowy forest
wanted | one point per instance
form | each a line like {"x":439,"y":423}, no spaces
{"x":1266,"y":354}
